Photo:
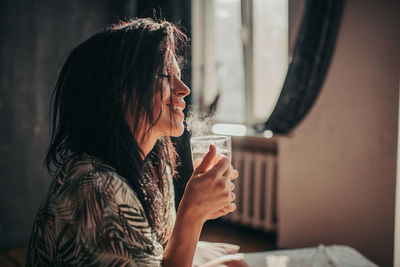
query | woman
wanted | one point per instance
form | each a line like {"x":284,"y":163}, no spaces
{"x":118,"y":99}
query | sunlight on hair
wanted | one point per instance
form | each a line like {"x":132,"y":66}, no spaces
{"x":229,"y":129}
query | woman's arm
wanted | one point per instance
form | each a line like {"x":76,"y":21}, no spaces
{"x":183,"y":241}
{"x":207,"y":195}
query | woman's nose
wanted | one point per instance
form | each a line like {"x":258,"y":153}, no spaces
{"x":181,"y":89}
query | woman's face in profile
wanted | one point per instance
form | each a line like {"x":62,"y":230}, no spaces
{"x":171,"y":108}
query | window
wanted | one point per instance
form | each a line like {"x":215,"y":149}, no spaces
{"x":240,"y":52}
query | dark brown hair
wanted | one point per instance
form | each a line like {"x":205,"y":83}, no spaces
{"x":114,"y":72}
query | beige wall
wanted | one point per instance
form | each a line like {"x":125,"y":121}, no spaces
{"x":397,"y":212}
{"x":337,"y":170}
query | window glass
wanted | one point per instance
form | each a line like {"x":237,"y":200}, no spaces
{"x":270,"y":50}
{"x":224,"y":52}
{"x":229,"y":61}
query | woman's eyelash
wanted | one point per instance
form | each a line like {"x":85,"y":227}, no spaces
{"x":165,"y":76}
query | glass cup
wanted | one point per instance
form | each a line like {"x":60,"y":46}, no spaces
{"x":200,"y":145}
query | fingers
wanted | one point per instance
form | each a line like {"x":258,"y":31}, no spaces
{"x":233,"y":196}
{"x":217,"y":164}
{"x":227,"y":209}
{"x":231,"y":186}
{"x":228,"y":173}
{"x":208,"y":159}
{"x":235,"y":174}
{"x":230,"y":208}
{"x":221,"y":166}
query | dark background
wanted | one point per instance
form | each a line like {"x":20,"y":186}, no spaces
{"x":36,"y":38}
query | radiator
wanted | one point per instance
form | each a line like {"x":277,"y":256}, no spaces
{"x":255,"y":189}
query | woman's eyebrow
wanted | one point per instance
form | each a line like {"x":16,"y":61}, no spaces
{"x":176,"y":71}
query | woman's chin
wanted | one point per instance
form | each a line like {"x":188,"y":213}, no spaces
{"x":177,"y":132}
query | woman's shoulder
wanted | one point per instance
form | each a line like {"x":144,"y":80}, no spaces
{"x":85,"y":176}
{"x":91,"y":209}
{"x":84,"y":164}
{"x":87,"y":189}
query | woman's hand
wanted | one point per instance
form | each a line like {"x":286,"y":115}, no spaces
{"x":208,"y":194}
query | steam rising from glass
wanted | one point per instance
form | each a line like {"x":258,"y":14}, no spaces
{"x":200,"y":130}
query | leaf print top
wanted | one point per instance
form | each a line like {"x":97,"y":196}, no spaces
{"x":90,"y":216}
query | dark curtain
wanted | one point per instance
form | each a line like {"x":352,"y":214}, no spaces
{"x":311,"y":57}
{"x":178,"y":12}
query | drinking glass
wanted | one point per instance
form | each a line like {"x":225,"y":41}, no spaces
{"x":200,"y":145}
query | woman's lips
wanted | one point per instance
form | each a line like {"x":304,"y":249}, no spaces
{"x":177,"y":107}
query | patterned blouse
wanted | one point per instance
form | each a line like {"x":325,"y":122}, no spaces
{"x":90,"y":216}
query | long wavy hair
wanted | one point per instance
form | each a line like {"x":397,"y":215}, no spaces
{"x":114,"y":72}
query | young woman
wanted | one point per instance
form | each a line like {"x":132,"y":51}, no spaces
{"x":118,"y":99}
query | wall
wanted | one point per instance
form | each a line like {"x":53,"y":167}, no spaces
{"x":397,"y":207}
{"x":337,"y":169}
{"x":36,"y":37}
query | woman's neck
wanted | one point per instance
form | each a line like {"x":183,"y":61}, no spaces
{"x":147,"y":144}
